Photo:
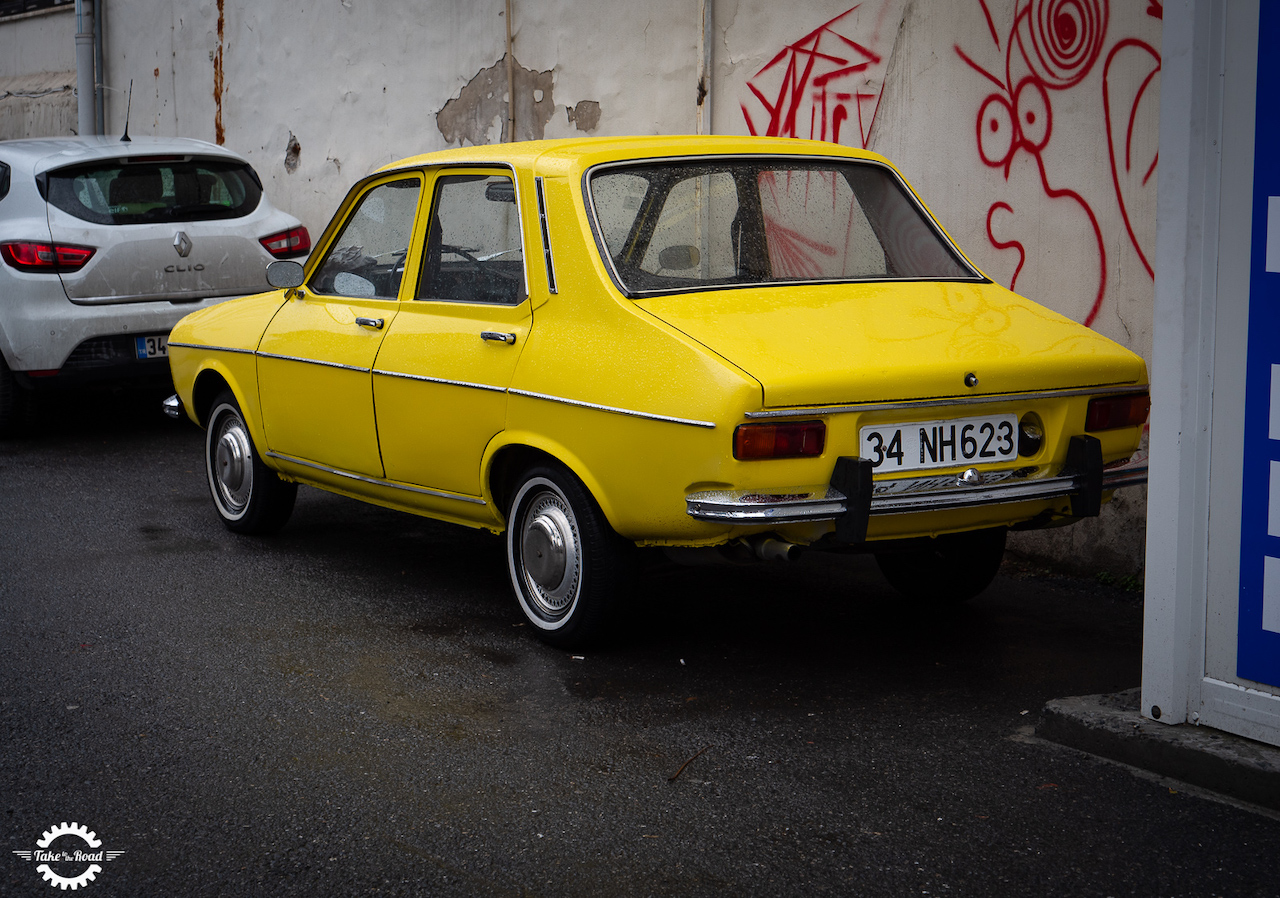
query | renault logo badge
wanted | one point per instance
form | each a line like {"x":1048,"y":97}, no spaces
{"x":182,"y":243}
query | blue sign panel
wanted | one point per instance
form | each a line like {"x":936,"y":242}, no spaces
{"x":1259,"y":639}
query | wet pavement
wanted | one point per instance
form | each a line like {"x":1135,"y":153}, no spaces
{"x":354,"y":707}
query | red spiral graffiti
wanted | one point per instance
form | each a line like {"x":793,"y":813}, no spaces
{"x":1066,"y":38}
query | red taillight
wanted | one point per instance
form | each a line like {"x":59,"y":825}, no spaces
{"x":45,"y":257}
{"x":803,"y":439}
{"x":294,"y":242}
{"x":1113,"y":412}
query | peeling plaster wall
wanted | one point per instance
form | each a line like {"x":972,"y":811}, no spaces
{"x":1060,"y":205}
{"x":480,"y":114}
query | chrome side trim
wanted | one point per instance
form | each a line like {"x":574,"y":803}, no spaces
{"x":439,"y":380}
{"x":895,"y":497}
{"x":985,"y":399}
{"x":546,"y":236}
{"x":294,"y":358}
{"x":377,"y":481}
{"x":212,"y":348}
{"x":617,"y":411}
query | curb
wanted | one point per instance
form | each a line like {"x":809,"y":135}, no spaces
{"x":1111,"y":726}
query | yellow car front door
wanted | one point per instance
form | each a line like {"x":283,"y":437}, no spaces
{"x":316,"y":358}
{"x":314,"y":366}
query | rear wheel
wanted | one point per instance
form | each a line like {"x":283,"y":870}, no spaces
{"x":249,"y":496}
{"x":567,"y":565}
{"x":950,"y":569}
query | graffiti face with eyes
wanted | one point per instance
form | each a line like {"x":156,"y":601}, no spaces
{"x":1051,"y":47}
{"x":1004,"y":127}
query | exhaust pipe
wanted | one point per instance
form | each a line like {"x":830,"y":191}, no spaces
{"x":767,"y":548}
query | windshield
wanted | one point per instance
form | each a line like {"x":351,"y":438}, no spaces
{"x":180,"y":189}
{"x":708,"y":223}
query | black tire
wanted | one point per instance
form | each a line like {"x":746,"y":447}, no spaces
{"x":248,"y":496}
{"x":17,"y":406}
{"x":567,"y":566}
{"x":950,"y":569}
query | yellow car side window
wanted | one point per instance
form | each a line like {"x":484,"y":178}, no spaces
{"x":367,"y":259}
{"x":474,"y":252}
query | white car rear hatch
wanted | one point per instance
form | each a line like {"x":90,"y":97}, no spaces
{"x":163,"y":227}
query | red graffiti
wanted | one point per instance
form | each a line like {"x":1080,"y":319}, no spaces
{"x":1128,"y":166}
{"x":822,"y":76}
{"x":1052,"y":46}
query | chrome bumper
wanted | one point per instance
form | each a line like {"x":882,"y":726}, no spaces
{"x":172,"y":406}
{"x":826,"y":503}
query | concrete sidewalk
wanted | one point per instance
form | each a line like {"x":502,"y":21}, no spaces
{"x":1113,"y":727}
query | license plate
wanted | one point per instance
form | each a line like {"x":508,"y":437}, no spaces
{"x":940,"y":444}
{"x":156,"y":347}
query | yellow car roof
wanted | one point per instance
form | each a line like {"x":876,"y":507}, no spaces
{"x":582,"y":152}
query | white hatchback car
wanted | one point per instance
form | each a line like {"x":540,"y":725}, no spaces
{"x":105,"y":244}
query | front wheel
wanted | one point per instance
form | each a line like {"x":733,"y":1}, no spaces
{"x":249,"y":496}
{"x":949,"y":569}
{"x":567,"y":565}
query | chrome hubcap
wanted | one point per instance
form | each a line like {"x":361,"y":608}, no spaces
{"x":233,"y":465}
{"x":549,"y":554}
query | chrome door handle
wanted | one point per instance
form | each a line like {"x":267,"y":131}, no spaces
{"x":374,"y":323}
{"x":500,"y":338}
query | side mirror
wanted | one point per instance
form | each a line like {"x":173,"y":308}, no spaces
{"x":285,"y":274}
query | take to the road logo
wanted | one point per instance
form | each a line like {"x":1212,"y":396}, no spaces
{"x":69,"y":856}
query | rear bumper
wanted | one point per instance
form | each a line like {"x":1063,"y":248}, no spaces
{"x":54,"y":334}
{"x":1082,"y":481}
{"x":100,"y":360}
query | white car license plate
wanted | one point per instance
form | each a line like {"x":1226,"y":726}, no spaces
{"x":940,"y":444}
{"x":156,"y":347}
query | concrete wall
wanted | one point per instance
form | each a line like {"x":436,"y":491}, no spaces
{"x":37,"y":74}
{"x":1029,"y":126}
{"x":38,"y":42}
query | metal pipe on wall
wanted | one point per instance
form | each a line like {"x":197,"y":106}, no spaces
{"x":100,"y":68}
{"x":511,"y":82}
{"x":85,"y":107}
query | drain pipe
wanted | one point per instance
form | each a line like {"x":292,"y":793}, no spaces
{"x":100,"y":68}
{"x":511,"y":82}
{"x":86,"y":119}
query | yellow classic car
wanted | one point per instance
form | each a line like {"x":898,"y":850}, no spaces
{"x":742,"y":346}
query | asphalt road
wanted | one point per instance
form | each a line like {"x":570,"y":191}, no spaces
{"x":353,"y":707}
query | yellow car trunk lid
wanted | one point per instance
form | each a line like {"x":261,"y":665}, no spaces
{"x":847,"y":343}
